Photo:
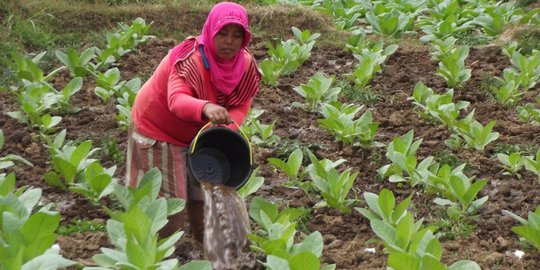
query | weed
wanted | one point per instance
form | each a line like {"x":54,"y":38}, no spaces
{"x":109,"y":150}
{"x":525,"y":3}
{"x":377,"y":155}
{"x":515,"y":148}
{"x":286,"y":146}
{"x":529,"y":41}
{"x":362,"y":95}
{"x":472,"y":39}
{"x":487,"y":82}
{"x":81,"y":226}
{"x":447,"y":157}
{"x":451,"y":230}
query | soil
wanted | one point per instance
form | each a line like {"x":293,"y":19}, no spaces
{"x":491,"y":242}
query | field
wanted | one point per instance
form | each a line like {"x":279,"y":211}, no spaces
{"x":484,"y":236}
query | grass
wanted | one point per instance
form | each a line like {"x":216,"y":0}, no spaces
{"x":357,"y":94}
{"x":447,"y":157}
{"x":32,"y":26}
{"x":109,"y":150}
{"x":515,"y":148}
{"x":529,"y":41}
{"x":452,"y":230}
{"x":81,"y":226}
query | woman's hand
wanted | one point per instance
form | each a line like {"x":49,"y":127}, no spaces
{"x":216,"y":114}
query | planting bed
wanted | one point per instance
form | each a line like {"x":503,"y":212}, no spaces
{"x":490,"y":242}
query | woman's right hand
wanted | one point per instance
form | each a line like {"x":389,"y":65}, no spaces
{"x":216,"y":114}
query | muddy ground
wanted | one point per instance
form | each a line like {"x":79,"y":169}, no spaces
{"x":491,"y":242}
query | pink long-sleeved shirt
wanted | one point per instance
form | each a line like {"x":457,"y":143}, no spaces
{"x":167,"y":108}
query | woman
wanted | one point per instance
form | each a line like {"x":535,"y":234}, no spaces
{"x":208,"y":78}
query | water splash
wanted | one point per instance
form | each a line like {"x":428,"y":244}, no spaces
{"x":226,"y":224}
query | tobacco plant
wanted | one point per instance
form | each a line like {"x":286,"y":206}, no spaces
{"x":440,"y":107}
{"x":529,"y":230}
{"x":452,"y":67}
{"x":108,"y":84}
{"x":512,"y":163}
{"x":529,"y":113}
{"x":69,"y":162}
{"x":277,"y":237}
{"x":382,"y":207}
{"x":507,"y":91}
{"x":291,"y":167}
{"x":28,"y":71}
{"x":305,"y":37}
{"x":459,"y":192}
{"x":443,"y":27}
{"x":346,"y":13}
{"x":405,"y":167}
{"x":332,"y":185}
{"x":96,"y":182}
{"x":495,"y":18}
{"x":340,"y":120}
{"x":252,"y":185}
{"x":259,"y":206}
{"x":263,"y":134}
{"x":474,"y":133}
{"x":121,"y":42}
{"x":78,"y":65}
{"x":391,"y":23}
{"x":26,"y":231}
{"x":410,"y":246}
{"x":125,"y":103}
{"x":442,"y":47}
{"x":134,"y":230}
{"x":36,"y":100}
{"x":532,"y":164}
{"x":527,"y":68}
{"x":317,"y":91}
{"x":271,"y":71}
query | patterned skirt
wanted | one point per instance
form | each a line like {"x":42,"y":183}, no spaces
{"x":145,"y":153}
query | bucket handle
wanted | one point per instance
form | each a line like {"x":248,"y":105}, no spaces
{"x":239,"y":128}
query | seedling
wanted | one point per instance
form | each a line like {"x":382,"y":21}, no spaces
{"x":529,"y":229}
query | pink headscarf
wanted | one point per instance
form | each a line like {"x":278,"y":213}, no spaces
{"x":224,"y":74}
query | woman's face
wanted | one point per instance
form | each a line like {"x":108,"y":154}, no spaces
{"x":228,"y":41}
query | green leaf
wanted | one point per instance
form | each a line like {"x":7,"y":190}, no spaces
{"x":464,"y":265}
{"x":7,"y":184}
{"x":253,"y":184}
{"x":48,"y":261}
{"x":197,"y":265}
{"x":403,"y":261}
{"x":313,"y":243}
{"x":404,"y":231}
{"x":372,"y":200}
{"x":430,"y":263}
{"x":39,"y":234}
{"x":473,"y":190}
{"x":80,"y":153}
{"x":530,"y":234}
{"x":384,"y":231}
{"x":401,"y":209}
{"x":72,"y":87}
{"x":175,"y":205}
{"x":386,"y":203}
{"x":276,"y":263}
{"x":259,"y":204}
{"x":304,"y":261}
{"x":30,"y":198}
{"x":66,"y":169}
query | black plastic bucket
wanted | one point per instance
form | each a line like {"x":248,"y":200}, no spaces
{"x":220,"y":155}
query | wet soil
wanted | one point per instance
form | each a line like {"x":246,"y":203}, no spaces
{"x":491,"y":242}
